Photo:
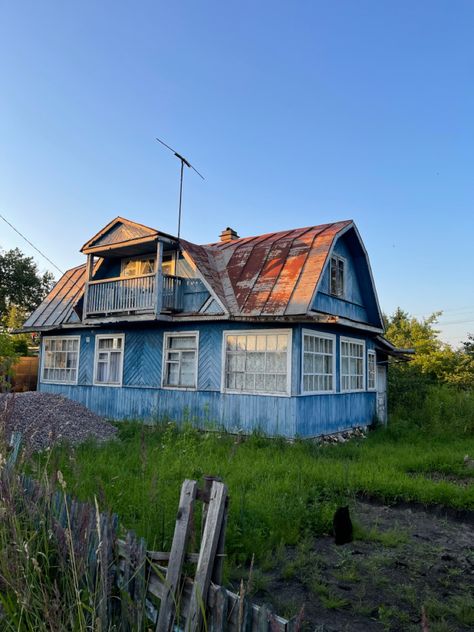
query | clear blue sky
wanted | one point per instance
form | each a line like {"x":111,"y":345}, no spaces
{"x":297,"y":113}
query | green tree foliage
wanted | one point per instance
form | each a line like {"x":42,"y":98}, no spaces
{"x":434,"y":362}
{"x":8,"y":356}
{"x":21,"y":284}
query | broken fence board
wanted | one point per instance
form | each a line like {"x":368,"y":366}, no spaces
{"x":205,"y":565}
{"x":177,"y":555}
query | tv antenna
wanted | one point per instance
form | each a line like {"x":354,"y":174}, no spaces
{"x":186,"y":162}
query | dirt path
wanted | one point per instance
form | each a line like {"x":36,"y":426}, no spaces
{"x":401,"y":559}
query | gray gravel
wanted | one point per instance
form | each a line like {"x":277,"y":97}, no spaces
{"x":45,"y":419}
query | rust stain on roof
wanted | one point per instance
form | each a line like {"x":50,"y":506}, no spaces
{"x":275,"y":274}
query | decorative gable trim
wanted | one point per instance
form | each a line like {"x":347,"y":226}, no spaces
{"x":131,"y":232}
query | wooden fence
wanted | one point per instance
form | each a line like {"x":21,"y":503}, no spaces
{"x":153,"y":584}
{"x":25,"y":374}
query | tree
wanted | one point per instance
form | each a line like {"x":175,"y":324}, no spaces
{"x":434,"y":361}
{"x":21,"y":284}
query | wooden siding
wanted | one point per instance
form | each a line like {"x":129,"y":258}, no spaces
{"x":142,"y":397}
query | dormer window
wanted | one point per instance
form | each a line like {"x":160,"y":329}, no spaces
{"x":337,"y":272}
{"x":138,"y":266}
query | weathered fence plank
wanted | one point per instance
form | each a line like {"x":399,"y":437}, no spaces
{"x":177,"y":555}
{"x":210,"y":539}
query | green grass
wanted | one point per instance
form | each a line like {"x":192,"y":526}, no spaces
{"x":279,"y":491}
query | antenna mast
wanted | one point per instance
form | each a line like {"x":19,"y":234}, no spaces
{"x":186,"y":162}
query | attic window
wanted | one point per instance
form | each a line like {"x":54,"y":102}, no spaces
{"x":138,"y":266}
{"x":337,"y":276}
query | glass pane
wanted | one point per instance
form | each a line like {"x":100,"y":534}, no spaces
{"x":270,"y":383}
{"x":271,"y":342}
{"x":231,"y":343}
{"x":251,"y":343}
{"x":239,"y":381}
{"x":105,"y":343}
{"x":282,"y":344}
{"x":172,"y":376}
{"x":250,"y":382}
{"x":281,"y":383}
{"x":129,"y":268}
{"x":259,"y":383}
{"x":114,"y":373}
{"x":280,"y":362}
{"x":101,"y":371}
{"x":261,"y":342}
{"x":182,"y":342}
{"x":241,"y":343}
{"x":255,"y":362}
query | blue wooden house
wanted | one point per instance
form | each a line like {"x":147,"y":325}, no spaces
{"x":281,"y":332}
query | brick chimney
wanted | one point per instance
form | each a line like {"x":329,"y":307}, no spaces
{"x":229,"y":234}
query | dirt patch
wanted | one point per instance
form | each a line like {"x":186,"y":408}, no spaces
{"x":401,"y":560}
{"x":444,"y":477}
{"x":45,"y":419}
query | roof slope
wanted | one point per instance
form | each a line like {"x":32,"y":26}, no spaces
{"x":57,"y":307}
{"x":275,"y":274}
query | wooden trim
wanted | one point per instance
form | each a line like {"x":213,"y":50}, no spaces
{"x":41,"y":363}
{"x":251,"y":332}
{"x":328,"y":336}
{"x":96,"y":353}
{"x":179,"y":334}
{"x":349,"y":340}
{"x":372,"y":352}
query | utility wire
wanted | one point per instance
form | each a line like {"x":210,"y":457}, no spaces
{"x":69,"y":278}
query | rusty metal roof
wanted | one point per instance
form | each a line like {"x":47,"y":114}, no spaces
{"x":275,"y":274}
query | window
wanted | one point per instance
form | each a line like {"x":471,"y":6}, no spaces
{"x":257,"y":362}
{"x":319,"y":362}
{"x":352,"y":364}
{"x":109,"y":359}
{"x":180,"y":360}
{"x":60,"y":359}
{"x":138,"y":267}
{"x":371,"y":371}
{"x":337,"y":280}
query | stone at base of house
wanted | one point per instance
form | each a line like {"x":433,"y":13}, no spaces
{"x":359,"y":432}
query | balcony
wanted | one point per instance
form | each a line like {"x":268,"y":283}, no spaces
{"x":134,"y":295}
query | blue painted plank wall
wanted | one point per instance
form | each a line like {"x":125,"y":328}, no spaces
{"x":141,"y":395}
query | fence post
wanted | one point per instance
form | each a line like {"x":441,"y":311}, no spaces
{"x":177,"y":555}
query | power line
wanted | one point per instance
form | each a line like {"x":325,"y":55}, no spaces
{"x":69,"y":278}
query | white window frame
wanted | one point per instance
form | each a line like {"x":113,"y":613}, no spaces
{"x":43,"y":353}
{"x":342,"y":295}
{"x":96,"y":356}
{"x":253,"y":332}
{"x":372,"y":353}
{"x":180,"y":334}
{"x":356,"y":341}
{"x":317,"y":334}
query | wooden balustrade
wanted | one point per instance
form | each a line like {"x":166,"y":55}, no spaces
{"x":134,"y":294}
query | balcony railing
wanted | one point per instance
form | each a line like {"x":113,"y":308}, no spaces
{"x":134,"y":294}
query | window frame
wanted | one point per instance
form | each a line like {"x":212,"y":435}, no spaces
{"x":372,"y":353}
{"x":360,"y":341}
{"x":317,"y":334}
{"x":342,"y":295}
{"x":69,"y":382}
{"x":180,"y":334}
{"x":96,"y":354}
{"x":252,"y":332}
{"x":125,"y":260}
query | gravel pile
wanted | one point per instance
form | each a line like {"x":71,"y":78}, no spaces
{"x":45,"y":419}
